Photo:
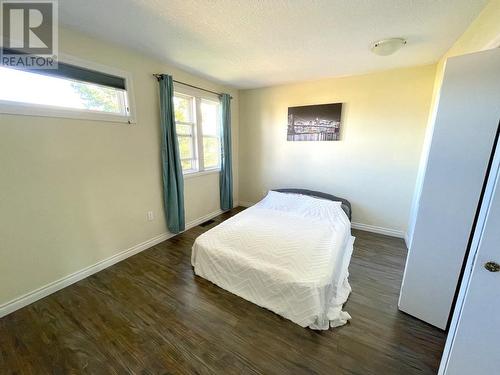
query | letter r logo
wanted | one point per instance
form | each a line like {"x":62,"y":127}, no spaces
{"x":28,"y":26}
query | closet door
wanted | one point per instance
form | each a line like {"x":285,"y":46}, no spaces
{"x":472,"y":343}
{"x":461,"y":145}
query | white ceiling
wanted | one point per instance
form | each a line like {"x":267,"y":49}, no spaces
{"x":255,"y":43}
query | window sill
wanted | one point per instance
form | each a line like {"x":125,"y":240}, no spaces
{"x":202,"y":173}
{"x":31,"y":109}
{"x":54,"y":111}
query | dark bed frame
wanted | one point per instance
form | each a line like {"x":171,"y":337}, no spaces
{"x":346,"y":205}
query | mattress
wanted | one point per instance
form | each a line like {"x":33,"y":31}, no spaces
{"x":289,"y":253}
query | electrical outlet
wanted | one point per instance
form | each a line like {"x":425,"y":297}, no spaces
{"x":151,"y":216}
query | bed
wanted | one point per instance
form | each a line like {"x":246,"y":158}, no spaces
{"x":289,"y":253}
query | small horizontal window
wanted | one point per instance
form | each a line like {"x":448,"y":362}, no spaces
{"x":69,"y":91}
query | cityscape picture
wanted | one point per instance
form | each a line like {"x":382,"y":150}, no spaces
{"x":314,"y":122}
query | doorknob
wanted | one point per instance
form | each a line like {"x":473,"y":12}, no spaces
{"x":492,"y":266}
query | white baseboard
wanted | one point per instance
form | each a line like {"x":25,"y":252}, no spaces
{"x":65,"y":281}
{"x":379,"y":230}
{"x":202,"y":219}
{"x":245,"y":204}
{"x":407,"y":240}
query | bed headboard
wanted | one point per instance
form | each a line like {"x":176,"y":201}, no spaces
{"x":346,"y":206}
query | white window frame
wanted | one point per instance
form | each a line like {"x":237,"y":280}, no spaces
{"x":199,"y":96}
{"x":218,"y":131}
{"x":194,"y":130}
{"x":33,"y":109}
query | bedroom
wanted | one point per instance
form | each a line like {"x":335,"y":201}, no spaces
{"x":101,"y":204}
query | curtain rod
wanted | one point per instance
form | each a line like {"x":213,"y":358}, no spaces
{"x":157,"y":76}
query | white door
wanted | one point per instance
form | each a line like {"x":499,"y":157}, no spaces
{"x":473,"y":344}
{"x":460,"y":148}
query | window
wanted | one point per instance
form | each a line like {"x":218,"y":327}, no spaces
{"x":197,"y":122}
{"x":69,"y":91}
{"x":186,"y":131}
{"x":211,"y":136}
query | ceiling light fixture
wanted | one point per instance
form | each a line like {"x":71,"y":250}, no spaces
{"x":387,"y":47}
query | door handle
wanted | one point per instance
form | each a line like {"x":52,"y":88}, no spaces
{"x":492,"y":266}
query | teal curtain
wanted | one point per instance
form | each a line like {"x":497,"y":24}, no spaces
{"x":173,"y":181}
{"x":226,"y":173}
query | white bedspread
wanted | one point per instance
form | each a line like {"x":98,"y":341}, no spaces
{"x":289,"y":253}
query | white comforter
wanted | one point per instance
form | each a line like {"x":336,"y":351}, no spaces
{"x":289,"y":253}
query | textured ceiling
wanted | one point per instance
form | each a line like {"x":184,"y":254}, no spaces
{"x":255,"y":43}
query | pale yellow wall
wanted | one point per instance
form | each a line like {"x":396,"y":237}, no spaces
{"x":74,"y":192}
{"x":483,"y":33}
{"x":375,"y":163}
{"x":480,"y":35}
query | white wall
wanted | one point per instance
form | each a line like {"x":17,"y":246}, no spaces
{"x":462,"y":141}
{"x":482,"y":34}
{"x":434,"y":306}
{"x":375,"y":163}
{"x":76,"y":192}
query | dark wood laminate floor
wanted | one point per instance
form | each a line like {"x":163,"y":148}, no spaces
{"x":150,"y":314}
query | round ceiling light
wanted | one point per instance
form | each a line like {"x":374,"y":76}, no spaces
{"x":387,"y":47}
